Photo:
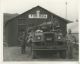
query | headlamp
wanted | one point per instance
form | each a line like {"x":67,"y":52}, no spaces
{"x":38,"y":37}
{"x":59,"y":37}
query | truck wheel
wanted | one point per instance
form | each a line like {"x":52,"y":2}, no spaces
{"x":33,"y":54}
{"x":63,"y":54}
{"x":69,"y":55}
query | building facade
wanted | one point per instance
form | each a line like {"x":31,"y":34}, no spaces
{"x":15,"y":27}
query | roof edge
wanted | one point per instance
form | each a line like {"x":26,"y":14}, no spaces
{"x":68,"y":21}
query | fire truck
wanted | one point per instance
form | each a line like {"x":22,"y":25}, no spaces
{"x":47,"y":42}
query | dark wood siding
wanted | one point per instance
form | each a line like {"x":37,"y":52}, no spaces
{"x":11,"y":34}
{"x":22,"y":22}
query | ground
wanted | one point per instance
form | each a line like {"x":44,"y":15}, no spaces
{"x":14,"y":54}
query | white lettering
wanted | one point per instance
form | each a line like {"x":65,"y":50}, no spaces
{"x":37,"y":15}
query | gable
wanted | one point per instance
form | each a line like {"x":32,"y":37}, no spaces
{"x":38,"y":13}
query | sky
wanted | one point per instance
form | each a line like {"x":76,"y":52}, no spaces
{"x":56,"y":6}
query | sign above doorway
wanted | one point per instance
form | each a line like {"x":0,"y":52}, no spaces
{"x":38,"y":15}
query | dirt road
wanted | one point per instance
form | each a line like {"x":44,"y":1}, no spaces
{"x":14,"y":54}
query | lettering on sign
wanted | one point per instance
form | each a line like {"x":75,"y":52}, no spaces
{"x":37,"y":15}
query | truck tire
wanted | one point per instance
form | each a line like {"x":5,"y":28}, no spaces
{"x":33,"y":54}
{"x":63,"y":54}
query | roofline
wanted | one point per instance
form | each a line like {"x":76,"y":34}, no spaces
{"x":42,"y":8}
{"x":68,"y":21}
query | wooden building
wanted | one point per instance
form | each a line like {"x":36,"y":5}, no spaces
{"x":33,"y":17}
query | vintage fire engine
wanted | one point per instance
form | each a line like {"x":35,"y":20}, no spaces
{"x":49,"y":42}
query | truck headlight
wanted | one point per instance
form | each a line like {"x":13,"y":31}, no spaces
{"x":38,"y":37}
{"x":59,"y":37}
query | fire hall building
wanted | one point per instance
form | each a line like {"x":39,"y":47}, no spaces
{"x":33,"y":17}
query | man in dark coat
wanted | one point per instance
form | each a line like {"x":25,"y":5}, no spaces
{"x":23,"y":43}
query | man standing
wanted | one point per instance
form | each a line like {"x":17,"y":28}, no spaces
{"x":23,"y":42}
{"x":70,"y":43}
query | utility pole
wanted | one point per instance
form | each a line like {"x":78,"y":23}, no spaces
{"x":66,"y":10}
{"x":37,"y":2}
{"x":76,"y":20}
